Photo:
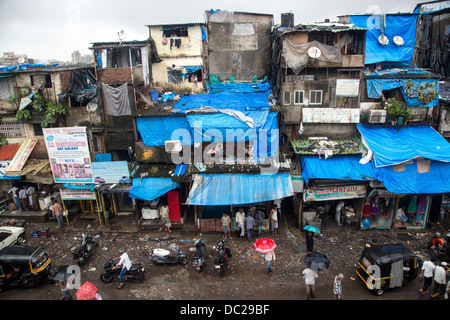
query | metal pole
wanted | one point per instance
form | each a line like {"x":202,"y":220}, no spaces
{"x":65,"y":212}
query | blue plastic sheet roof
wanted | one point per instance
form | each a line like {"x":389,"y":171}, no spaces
{"x":336,"y":167}
{"x":233,"y":189}
{"x":151,"y":188}
{"x":394,"y":145}
{"x":396,"y":25}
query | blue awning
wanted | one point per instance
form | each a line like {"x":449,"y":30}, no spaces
{"x":393,"y":145}
{"x":232,"y":189}
{"x":151,"y":188}
{"x":336,"y":167}
{"x":410,"y":181}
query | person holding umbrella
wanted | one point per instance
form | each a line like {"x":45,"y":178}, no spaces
{"x":309,"y":236}
{"x":267,"y":247}
{"x":88,"y":291}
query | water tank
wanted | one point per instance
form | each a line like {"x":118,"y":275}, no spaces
{"x":287,"y":20}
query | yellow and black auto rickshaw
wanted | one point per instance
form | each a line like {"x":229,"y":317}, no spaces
{"x":23,"y":266}
{"x":387,"y":266}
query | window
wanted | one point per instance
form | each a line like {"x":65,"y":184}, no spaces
{"x":171,"y":31}
{"x":12,"y":129}
{"x":298,"y":96}
{"x":286,"y":97}
{"x":37,"y":128}
{"x":315,"y":97}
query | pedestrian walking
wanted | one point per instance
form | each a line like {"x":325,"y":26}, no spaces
{"x":269,"y":258}
{"x":439,"y":280}
{"x":310,"y":276}
{"x":240,"y":220}
{"x":259,"y":219}
{"x":125,"y":262}
{"x":274,"y":220}
{"x":65,"y":291}
{"x":226,"y":222}
{"x":337,"y":288}
{"x":427,"y":274}
{"x":309,"y":236}
{"x":58,"y":213}
{"x":249,"y":225}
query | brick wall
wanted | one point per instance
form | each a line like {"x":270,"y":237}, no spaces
{"x":114,"y":75}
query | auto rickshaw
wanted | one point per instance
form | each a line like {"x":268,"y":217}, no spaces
{"x":387,"y":266}
{"x":23,"y":266}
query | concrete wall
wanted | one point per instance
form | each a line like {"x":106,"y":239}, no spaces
{"x":240,"y":56}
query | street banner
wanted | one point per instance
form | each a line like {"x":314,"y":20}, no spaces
{"x":74,"y":194}
{"x":335,"y":193}
{"x":22,"y":155}
{"x":68,"y":152}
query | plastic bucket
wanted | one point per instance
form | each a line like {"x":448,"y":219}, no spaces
{"x":154,"y":95}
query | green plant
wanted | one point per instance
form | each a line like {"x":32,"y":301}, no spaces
{"x":396,"y":109}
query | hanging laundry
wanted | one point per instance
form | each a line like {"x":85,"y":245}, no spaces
{"x":178,"y":43}
{"x":117,"y":101}
{"x":374,"y":210}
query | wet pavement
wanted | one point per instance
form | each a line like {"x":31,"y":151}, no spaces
{"x":246,"y":277}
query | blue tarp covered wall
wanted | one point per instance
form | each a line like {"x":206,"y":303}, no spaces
{"x":396,"y":25}
{"x":375,"y":86}
{"x":156,"y":130}
{"x":337,"y":167}
{"x":151,"y":188}
{"x":393,"y":145}
{"x":228,"y":189}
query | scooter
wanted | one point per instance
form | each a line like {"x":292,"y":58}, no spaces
{"x":200,"y":256}
{"x":163,"y":256}
{"x":135,"y":274}
{"x":440,"y":245}
{"x":221,"y":262}
{"x":81,"y":253}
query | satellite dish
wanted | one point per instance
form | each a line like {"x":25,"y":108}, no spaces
{"x":121,"y":35}
{"x":91,"y":107}
{"x":314,"y":52}
{"x":399,"y":40}
{"x":383,"y":40}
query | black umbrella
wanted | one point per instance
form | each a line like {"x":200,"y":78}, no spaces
{"x":317,"y":261}
{"x":61,"y":274}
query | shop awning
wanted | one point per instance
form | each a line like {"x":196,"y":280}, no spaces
{"x":232,"y":189}
{"x":337,"y":167}
{"x":434,"y":180}
{"x":394,"y":145}
{"x":151,"y":188}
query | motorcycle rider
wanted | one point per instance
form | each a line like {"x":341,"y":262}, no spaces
{"x":125,"y":262}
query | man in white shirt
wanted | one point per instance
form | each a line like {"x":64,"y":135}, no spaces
{"x":274,"y":220}
{"x":401,"y":215}
{"x":240,"y":220}
{"x":439,"y":280}
{"x":310,"y":276}
{"x":125,"y":262}
{"x":338,"y":212}
{"x":427,"y":274}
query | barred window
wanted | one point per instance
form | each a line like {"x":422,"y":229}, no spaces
{"x":12,"y":129}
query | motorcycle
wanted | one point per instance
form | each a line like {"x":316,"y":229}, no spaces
{"x":81,"y":253}
{"x":163,"y":256}
{"x":200,"y":255}
{"x":224,"y":255}
{"x":135,"y":274}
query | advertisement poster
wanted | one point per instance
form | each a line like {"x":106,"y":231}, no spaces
{"x":110,"y":172}
{"x":347,"y":87}
{"x":335,"y":193}
{"x":22,"y":155}
{"x":68,"y":152}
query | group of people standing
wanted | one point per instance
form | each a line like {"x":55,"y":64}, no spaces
{"x":247,"y":222}
{"x":25,"y":198}
{"x":430,"y":272}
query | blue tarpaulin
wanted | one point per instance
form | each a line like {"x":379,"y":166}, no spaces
{"x":410,"y":181}
{"x":395,"y":25}
{"x":340,"y":167}
{"x":151,"y":188}
{"x":233,"y":189}
{"x":394,"y":145}
{"x":156,"y":130}
{"x":395,"y":78}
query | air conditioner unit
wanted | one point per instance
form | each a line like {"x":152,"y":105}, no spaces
{"x":377,"y":116}
{"x":173,"y":145}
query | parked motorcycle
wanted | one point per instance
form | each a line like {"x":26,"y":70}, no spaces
{"x":163,"y":256}
{"x":81,"y":253}
{"x":135,"y":274}
{"x":224,"y":255}
{"x":441,"y":245}
{"x":200,"y":255}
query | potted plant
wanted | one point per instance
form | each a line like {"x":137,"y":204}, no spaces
{"x":396,"y":113}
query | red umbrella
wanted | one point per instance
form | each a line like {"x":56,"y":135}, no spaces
{"x":86,"y":292}
{"x":264,"y":245}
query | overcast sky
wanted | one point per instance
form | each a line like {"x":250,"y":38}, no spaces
{"x":53,"y":29}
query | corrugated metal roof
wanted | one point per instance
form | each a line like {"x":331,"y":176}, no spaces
{"x":8,"y":151}
{"x":175,"y":24}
